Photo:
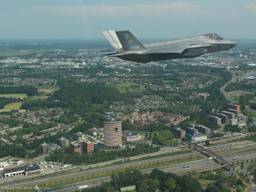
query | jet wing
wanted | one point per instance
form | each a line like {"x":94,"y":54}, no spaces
{"x":195,"y":50}
{"x":170,"y":47}
{"x":189,"y":50}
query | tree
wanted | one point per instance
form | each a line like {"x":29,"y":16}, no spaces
{"x":212,"y":188}
{"x":189,"y":184}
{"x":165,"y":138}
{"x":126,"y":178}
{"x":170,"y":184}
{"x":149,"y":185}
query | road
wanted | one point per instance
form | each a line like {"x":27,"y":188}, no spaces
{"x":94,"y":171}
{"x":228,"y":151}
{"x":252,"y":188}
{"x":211,"y":154}
{"x":198,"y":165}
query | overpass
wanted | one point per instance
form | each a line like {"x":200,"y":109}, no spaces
{"x":217,"y":158}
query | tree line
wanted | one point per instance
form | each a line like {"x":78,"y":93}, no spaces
{"x":29,"y":90}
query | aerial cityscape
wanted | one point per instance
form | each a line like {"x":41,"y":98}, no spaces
{"x":76,"y":116}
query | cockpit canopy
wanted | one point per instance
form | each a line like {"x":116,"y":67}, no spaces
{"x":213,"y":36}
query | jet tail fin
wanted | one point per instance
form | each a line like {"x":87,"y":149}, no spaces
{"x":123,"y":40}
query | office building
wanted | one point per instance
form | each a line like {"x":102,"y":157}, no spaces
{"x":88,"y":147}
{"x":215,"y":119}
{"x":233,"y":107}
{"x":75,"y":147}
{"x":112,"y":134}
{"x":203,"y":129}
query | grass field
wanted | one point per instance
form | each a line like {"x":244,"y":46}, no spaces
{"x":11,"y":106}
{"x":253,"y":100}
{"x":234,"y":96}
{"x":36,"y":98}
{"x":47,"y":89}
{"x":205,"y":182}
{"x":13,"y":96}
{"x":129,"y":87}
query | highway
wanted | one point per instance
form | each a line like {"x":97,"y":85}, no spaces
{"x":93,"y":171}
{"x":198,"y":165}
{"x":202,"y":164}
{"x":211,"y":154}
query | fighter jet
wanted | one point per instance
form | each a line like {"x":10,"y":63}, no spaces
{"x":127,"y":47}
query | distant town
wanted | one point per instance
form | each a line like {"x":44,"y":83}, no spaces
{"x":71,"y":118}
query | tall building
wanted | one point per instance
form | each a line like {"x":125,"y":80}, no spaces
{"x":112,"y":134}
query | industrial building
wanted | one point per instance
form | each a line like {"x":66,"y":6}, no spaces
{"x":22,"y":170}
{"x":112,"y":134}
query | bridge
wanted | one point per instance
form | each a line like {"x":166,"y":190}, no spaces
{"x":217,"y":158}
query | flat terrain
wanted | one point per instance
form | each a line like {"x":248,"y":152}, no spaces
{"x":13,"y":96}
{"x":233,"y":96}
{"x":129,"y":87}
{"x":11,"y":106}
{"x":178,"y":164}
{"x":47,"y":89}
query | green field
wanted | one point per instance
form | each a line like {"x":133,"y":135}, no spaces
{"x":234,"y":96}
{"x":36,"y":98}
{"x":129,"y":87}
{"x":13,"y":96}
{"x":253,"y":100}
{"x":11,"y":106}
{"x":47,"y":89}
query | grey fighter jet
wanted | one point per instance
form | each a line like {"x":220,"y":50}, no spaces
{"x":128,"y":47}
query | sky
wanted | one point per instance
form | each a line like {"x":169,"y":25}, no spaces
{"x":86,"y":19}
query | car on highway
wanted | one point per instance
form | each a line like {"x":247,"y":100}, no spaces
{"x":185,"y":167}
{"x":235,"y":158}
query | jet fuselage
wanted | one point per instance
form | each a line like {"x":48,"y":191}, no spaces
{"x":130,"y":49}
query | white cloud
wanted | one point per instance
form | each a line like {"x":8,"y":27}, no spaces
{"x":251,"y":7}
{"x":129,"y":9}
